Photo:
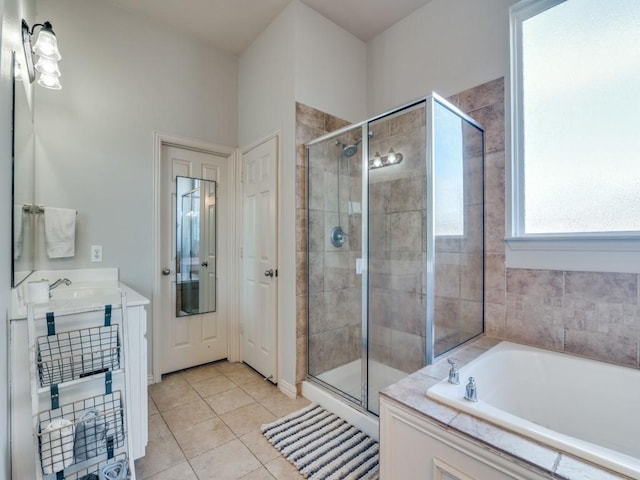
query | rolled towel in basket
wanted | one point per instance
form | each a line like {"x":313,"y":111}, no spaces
{"x":114,"y":471}
{"x":91,"y":434}
{"x":56,"y":446}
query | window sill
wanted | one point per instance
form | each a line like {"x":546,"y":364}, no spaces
{"x":593,"y":253}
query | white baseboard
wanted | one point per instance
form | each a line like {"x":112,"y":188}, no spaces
{"x":150,"y":379}
{"x":288,"y":389}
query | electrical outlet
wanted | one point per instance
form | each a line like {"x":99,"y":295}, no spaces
{"x":96,"y":253}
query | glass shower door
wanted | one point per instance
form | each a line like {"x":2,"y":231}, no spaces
{"x":334,"y":189}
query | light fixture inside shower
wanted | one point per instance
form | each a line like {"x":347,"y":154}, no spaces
{"x":392,"y":158}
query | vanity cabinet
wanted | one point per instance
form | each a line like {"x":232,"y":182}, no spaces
{"x":414,"y":447}
{"x":134,"y":382}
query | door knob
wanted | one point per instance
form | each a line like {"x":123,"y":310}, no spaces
{"x":166,"y":271}
{"x":204,"y":264}
{"x":269,"y":273}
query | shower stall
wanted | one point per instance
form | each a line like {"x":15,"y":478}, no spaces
{"x":395,"y":246}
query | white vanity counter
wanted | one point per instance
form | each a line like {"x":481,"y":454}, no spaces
{"x":90,"y":290}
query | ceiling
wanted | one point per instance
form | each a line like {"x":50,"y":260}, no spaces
{"x":232,"y":25}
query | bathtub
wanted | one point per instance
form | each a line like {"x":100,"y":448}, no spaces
{"x":583,"y":407}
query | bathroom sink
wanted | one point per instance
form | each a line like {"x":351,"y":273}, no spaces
{"x":83,"y":293}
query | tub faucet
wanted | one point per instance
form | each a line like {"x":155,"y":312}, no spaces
{"x":59,"y":282}
{"x":454,"y":377}
{"x":471,"y":393}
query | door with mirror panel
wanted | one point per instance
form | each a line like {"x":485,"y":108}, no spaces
{"x":194,"y":301}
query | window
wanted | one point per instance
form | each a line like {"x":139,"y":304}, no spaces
{"x":575,"y":119}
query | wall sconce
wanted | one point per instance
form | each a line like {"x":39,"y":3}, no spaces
{"x":392,"y":158}
{"x":46,"y":48}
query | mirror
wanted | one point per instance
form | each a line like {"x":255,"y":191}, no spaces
{"x":23,"y":190}
{"x":195,"y":246}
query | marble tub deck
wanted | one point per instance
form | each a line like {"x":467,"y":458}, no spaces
{"x":411,"y":392}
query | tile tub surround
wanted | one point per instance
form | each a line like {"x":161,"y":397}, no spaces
{"x":593,"y":314}
{"x":411,"y":393}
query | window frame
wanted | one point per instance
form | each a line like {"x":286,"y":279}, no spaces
{"x":593,"y":251}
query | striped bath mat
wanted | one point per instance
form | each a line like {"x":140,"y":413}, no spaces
{"x":322,"y":446}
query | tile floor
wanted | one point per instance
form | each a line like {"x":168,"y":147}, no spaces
{"x":204,"y":423}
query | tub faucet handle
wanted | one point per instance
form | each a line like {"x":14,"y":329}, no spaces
{"x":471,"y":393}
{"x":454,"y":377}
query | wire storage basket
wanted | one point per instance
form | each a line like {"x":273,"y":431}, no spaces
{"x":78,"y":353}
{"x":88,"y":429}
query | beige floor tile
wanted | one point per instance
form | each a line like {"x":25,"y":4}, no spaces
{"x":204,"y":436}
{"x":282,"y":405}
{"x":243,"y":376}
{"x":259,"y":446}
{"x":230,"y":461}
{"x":228,"y":400}
{"x":151,"y":407}
{"x":282,"y":469}
{"x":260,"y":389}
{"x":202,"y":373}
{"x":179,"y":472}
{"x":158,"y":428}
{"x":172,"y":393}
{"x":214,"y":385}
{"x":250,"y":417}
{"x":226,"y":367}
{"x":161,"y":454}
{"x":259,"y":474}
{"x":187,"y":415}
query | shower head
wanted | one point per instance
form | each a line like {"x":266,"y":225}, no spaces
{"x":349,"y":150}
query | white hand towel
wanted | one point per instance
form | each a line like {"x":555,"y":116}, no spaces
{"x":18,"y":234}
{"x":56,"y":446}
{"x":59,"y":232}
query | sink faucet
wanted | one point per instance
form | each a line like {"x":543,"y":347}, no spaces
{"x":58,"y":282}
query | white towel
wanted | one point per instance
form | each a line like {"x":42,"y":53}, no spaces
{"x":18,"y":234}
{"x":56,"y":448}
{"x":59,"y":232}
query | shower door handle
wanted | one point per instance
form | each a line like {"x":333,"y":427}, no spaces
{"x":269,"y":273}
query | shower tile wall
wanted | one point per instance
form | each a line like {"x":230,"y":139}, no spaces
{"x":595,"y":314}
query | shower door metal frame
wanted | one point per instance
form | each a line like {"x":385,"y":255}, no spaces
{"x":364,"y":334}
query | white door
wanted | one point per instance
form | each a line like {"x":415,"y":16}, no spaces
{"x":190,"y":337}
{"x":259,"y":258}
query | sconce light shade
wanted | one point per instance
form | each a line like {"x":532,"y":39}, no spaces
{"x":47,"y":44}
{"x":46,"y":48}
{"x":49,"y":81}
{"x":48,"y":66}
